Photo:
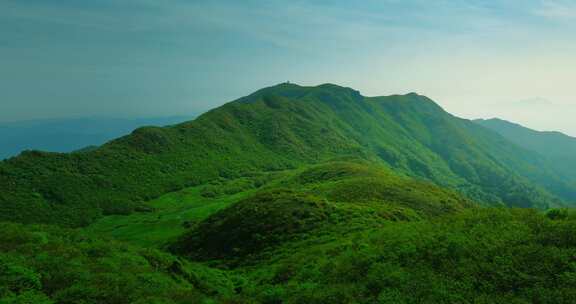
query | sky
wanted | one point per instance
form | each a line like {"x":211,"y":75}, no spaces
{"x":133,"y":58}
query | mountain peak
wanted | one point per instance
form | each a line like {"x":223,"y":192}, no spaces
{"x":292,"y":90}
{"x":333,"y":93}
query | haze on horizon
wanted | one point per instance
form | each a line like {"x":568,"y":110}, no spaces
{"x":134,"y":58}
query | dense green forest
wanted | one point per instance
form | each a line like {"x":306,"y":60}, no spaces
{"x":292,"y":195}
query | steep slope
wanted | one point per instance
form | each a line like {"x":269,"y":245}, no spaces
{"x":276,"y":128}
{"x":558,"y":148}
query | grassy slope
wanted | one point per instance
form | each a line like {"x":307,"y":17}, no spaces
{"x":369,"y":187}
{"x":173,"y":211}
{"x":171,"y":214}
{"x":276,"y":128}
{"x":338,"y":196}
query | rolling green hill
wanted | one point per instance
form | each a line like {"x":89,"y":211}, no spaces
{"x":558,"y":148}
{"x":337,"y":196}
{"x":278,"y":128}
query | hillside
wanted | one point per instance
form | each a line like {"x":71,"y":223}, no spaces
{"x":67,"y":135}
{"x":333,"y":197}
{"x":278,"y":128}
{"x":558,"y":148}
{"x":344,"y":231}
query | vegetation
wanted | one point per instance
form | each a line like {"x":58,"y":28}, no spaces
{"x":478,"y":256}
{"x":475,"y":255}
{"x":277,"y":128}
{"x":167,"y":218}
{"x":43,"y":264}
{"x":255,"y":223}
{"x":291,"y":195}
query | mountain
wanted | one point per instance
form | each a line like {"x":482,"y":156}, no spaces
{"x":290,"y":195}
{"x":558,"y":148}
{"x":67,"y":135}
{"x":278,"y":128}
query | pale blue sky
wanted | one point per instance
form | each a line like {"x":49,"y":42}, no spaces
{"x":152,"y":58}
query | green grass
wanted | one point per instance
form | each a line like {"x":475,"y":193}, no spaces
{"x":171,"y":212}
{"x":170,"y":215}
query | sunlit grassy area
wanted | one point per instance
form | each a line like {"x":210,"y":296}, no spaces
{"x":171,"y":212}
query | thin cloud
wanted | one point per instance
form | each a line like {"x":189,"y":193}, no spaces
{"x":557,"y":10}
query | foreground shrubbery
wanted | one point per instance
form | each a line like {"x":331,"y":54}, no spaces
{"x":479,"y":256}
{"x":357,"y":253}
{"x":338,"y":232}
{"x":475,"y":256}
{"x":41,"y":265}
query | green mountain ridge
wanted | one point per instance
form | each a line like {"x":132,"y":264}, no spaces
{"x":277,"y":128}
{"x":558,"y":148}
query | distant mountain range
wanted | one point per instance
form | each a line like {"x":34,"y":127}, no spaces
{"x":66,"y":135}
{"x":558,"y":148}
